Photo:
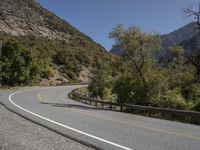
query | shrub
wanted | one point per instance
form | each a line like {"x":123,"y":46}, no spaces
{"x":130,"y":90}
{"x":194,"y":92}
{"x":20,"y":65}
{"x":172,"y":99}
{"x":197,"y":105}
{"x":101,"y":82}
{"x":15,"y":63}
{"x":48,"y":72}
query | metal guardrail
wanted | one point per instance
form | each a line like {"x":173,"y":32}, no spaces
{"x":189,"y":114}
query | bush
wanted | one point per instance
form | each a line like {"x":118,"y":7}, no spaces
{"x":48,"y":72}
{"x":101,"y":82}
{"x":197,"y":105}
{"x":194,"y":92}
{"x":21,"y":66}
{"x":15,"y":63}
{"x":172,"y":99}
{"x":130,"y":90}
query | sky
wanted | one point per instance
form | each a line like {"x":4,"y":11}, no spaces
{"x":96,"y":18}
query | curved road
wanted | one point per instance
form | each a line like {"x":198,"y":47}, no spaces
{"x":101,"y":128}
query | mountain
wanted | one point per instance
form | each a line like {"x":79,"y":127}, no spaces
{"x":191,"y":45}
{"x":176,"y":37}
{"x":70,"y":52}
{"x":117,"y":51}
{"x":26,"y":17}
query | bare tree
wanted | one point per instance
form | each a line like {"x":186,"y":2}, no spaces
{"x":195,"y":57}
{"x":190,"y":12}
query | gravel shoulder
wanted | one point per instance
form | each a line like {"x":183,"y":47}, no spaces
{"x":17,"y":133}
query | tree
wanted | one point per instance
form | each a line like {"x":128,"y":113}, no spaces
{"x":129,"y":90}
{"x":194,"y":58}
{"x":190,"y":12}
{"x":180,"y":74}
{"x":101,"y":82}
{"x":138,"y":46}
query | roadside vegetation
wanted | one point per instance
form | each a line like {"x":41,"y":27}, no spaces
{"x":170,"y":82}
{"x":149,"y":80}
{"x":21,"y":66}
{"x":27,"y":60}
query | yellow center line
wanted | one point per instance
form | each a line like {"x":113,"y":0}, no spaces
{"x":41,"y":97}
{"x":139,"y":125}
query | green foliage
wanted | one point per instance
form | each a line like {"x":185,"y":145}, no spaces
{"x":165,"y":83}
{"x":101,"y":82}
{"x":18,"y":64}
{"x":125,"y":95}
{"x":171,"y":99}
{"x":194,"y":92}
{"x":131,"y":89}
{"x":15,"y":62}
{"x":68,"y":56}
{"x":197,"y":105}
{"x":126,"y":89}
{"x":176,"y":52}
{"x":138,"y":46}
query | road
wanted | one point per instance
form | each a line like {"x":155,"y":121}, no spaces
{"x":99,"y":128}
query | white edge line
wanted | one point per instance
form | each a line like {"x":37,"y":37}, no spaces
{"x":67,"y":127}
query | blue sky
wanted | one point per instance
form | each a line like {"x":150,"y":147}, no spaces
{"x":96,"y":18}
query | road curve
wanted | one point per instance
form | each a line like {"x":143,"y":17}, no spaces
{"x":101,"y":128}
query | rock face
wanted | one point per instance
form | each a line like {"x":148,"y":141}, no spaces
{"x":25,"y":17}
{"x":17,"y":26}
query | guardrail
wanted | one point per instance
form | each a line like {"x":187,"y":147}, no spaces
{"x":171,"y":114}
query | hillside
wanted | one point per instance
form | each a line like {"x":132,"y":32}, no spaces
{"x":68,"y":51}
{"x":26,"y":17}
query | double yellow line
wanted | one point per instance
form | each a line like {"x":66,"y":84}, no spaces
{"x":41,"y":97}
{"x":143,"y":126}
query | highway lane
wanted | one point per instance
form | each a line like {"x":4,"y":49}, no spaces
{"x":101,"y":128}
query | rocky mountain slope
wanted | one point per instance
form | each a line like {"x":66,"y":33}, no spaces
{"x":26,"y":17}
{"x":66,"y":48}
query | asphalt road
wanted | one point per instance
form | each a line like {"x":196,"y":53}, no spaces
{"x":101,"y":128}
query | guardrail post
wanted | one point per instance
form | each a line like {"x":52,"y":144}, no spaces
{"x":186,"y":116}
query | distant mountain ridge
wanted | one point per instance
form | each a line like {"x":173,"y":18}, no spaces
{"x":177,"y":37}
{"x":180,"y":35}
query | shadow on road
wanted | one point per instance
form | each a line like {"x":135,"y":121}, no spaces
{"x":73,"y":106}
